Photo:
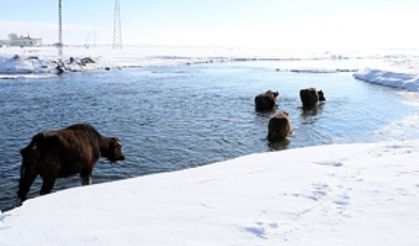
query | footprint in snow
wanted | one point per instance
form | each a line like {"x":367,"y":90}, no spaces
{"x":320,"y":190}
{"x":257,"y":231}
{"x":342,"y":200}
{"x":330,"y":163}
{"x":260,"y":229}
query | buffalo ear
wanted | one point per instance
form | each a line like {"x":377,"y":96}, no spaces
{"x":32,"y":147}
{"x":115,"y":142}
{"x":321,"y":95}
{"x":118,"y":142}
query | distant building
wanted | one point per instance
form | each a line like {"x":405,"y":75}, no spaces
{"x":4,"y":42}
{"x":25,"y":41}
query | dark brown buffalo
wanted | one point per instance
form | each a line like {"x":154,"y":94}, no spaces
{"x":279,"y":127}
{"x":62,"y":153}
{"x":266,"y":101}
{"x":310,"y":97}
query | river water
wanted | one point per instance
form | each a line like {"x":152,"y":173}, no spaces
{"x":171,"y":118}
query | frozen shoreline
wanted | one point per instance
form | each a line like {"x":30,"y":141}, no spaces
{"x":323,"y":195}
{"x":408,"y":81}
{"x":42,"y":61}
{"x":394,"y":68}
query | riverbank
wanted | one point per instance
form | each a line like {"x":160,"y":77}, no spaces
{"x":394,"y":68}
{"x":408,"y":81}
{"x":36,"y":62}
{"x":365,"y":194}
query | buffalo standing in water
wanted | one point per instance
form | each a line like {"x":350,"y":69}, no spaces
{"x":279,"y":127}
{"x":266,"y":101}
{"x":62,"y":153}
{"x":310,"y":97}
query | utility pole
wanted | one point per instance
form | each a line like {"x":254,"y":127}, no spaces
{"x":117,"y":33}
{"x":94,"y":38}
{"x":60,"y":30}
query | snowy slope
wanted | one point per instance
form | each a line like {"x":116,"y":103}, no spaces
{"x":361,"y":194}
{"x":408,"y":81}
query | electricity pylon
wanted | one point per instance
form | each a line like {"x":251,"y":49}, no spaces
{"x":60,"y":30}
{"x":117,"y":33}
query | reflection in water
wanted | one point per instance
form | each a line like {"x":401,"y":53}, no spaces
{"x":279,"y":145}
{"x":314,"y":111}
{"x":267,"y":114}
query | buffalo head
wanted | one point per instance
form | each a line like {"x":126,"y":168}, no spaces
{"x":114,"y":151}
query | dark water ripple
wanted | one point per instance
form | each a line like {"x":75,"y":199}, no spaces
{"x":172,"y":118}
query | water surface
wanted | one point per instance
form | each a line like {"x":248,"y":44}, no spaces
{"x":172,"y":118}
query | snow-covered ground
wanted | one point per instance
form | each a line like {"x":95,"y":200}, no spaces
{"x":42,"y":61}
{"x":408,"y":81}
{"x":131,"y":56}
{"x":395,"y":68}
{"x":359,"y":194}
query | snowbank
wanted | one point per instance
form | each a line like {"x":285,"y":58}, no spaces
{"x":34,"y":67}
{"x":361,"y":194}
{"x":305,"y":61}
{"x":408,"y":81}
{"x":395,"y":68}
{"x":27,"y":62}
{"x":29,"y":65}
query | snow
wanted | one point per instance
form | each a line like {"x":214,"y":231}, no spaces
{"x":394,"y":68}
{"x":31,"y":65}
{"x":357,"y":194}
{"x":408,"y":81}
{"x":398,"y":70}
{"x":139,"y":56}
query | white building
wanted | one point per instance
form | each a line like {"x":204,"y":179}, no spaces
{"x":4,"y":42}
{"x":27,"y":41}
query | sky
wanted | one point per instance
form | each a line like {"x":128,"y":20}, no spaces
{"x":233,"y":23}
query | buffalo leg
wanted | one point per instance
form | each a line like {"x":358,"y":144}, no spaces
{"x":25,"y":182}
{"x":86,"y":177}
{"x":47,"y":185}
